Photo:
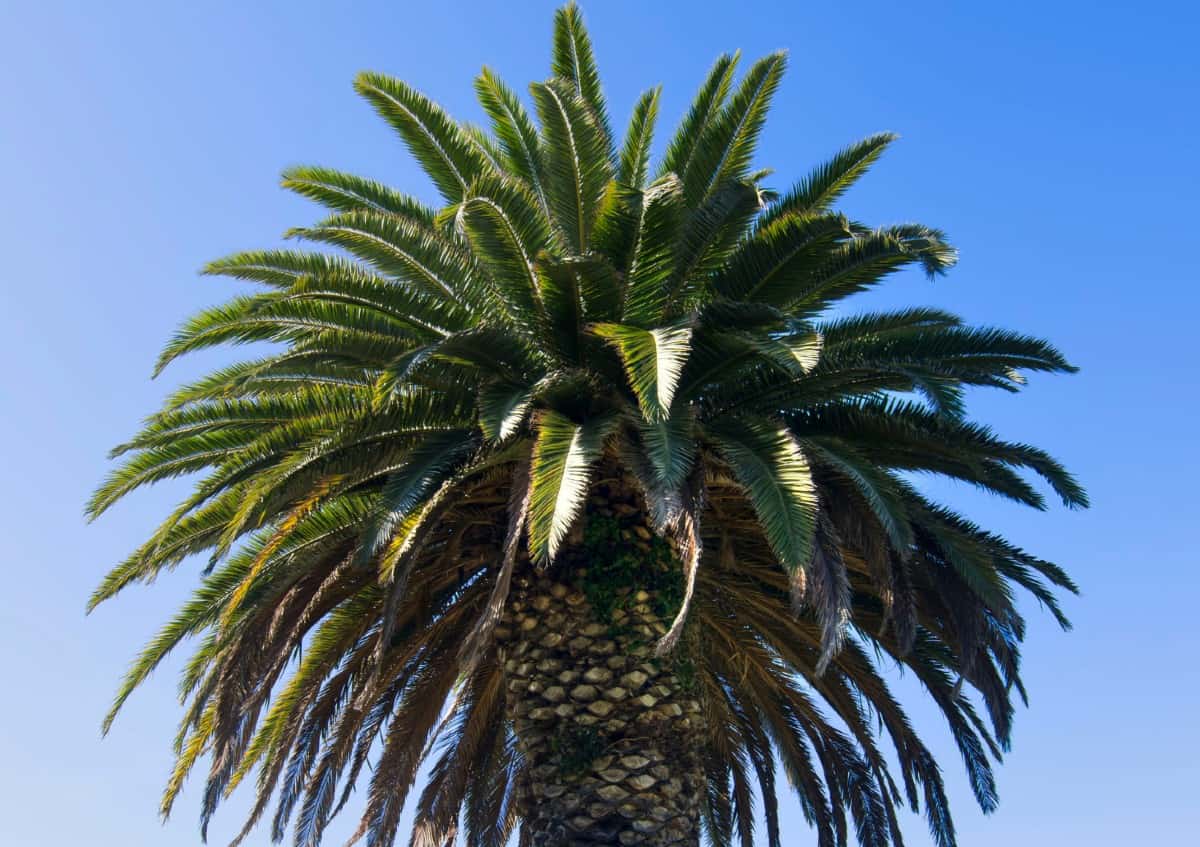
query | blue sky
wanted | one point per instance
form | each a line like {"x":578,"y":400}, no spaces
{"x":1055,"y":142}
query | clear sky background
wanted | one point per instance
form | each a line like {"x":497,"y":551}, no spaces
{"x":1055,"y":142}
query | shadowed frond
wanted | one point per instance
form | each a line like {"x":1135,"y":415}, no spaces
{"x":585,"y":495}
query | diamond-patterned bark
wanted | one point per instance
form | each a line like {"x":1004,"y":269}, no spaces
{"x":607,"y":730}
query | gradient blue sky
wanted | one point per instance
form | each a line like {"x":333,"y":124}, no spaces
{"x":1056,"y":142}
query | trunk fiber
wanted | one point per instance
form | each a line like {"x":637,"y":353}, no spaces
{"x":607,"y":729}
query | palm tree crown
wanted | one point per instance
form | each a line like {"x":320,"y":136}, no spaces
{"x":455,"y":395}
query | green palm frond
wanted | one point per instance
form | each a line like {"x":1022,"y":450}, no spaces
{"x":653,"y":259}
{"x":816,"y":193}
{"x":771,"y":266}
{"x":574,"y":64}
{"x":579,"y":349}
{"x":669,"y":443}
{"x":770,"y":465}
{"x":505,"y":228}
{"x":726,"y":145}
{"x":709,"y":101}
{"x":442,"y":147}
{"x":515,"y":131}
{"x":442,"y":269}
{"x":410,"y":485}
{"x":711,"y":233}
{"x":635,"y":152}
{"x":562,"y":463}
{"x":653,"y":361}
{"x":502,"y":408}
{"x":343,"y":192}
{"x":575,"y":150}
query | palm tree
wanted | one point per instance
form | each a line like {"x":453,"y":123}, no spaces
{"x":573,"y":491}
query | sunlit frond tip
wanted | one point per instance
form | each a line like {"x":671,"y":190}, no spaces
{"x":588,"y":496}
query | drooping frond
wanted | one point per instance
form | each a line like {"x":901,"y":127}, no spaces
{"x":769,"y":464}
{"x":586,"y":356}
{"x":562,"y":463}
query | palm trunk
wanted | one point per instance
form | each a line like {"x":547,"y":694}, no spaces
{"x":608,"y":731}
